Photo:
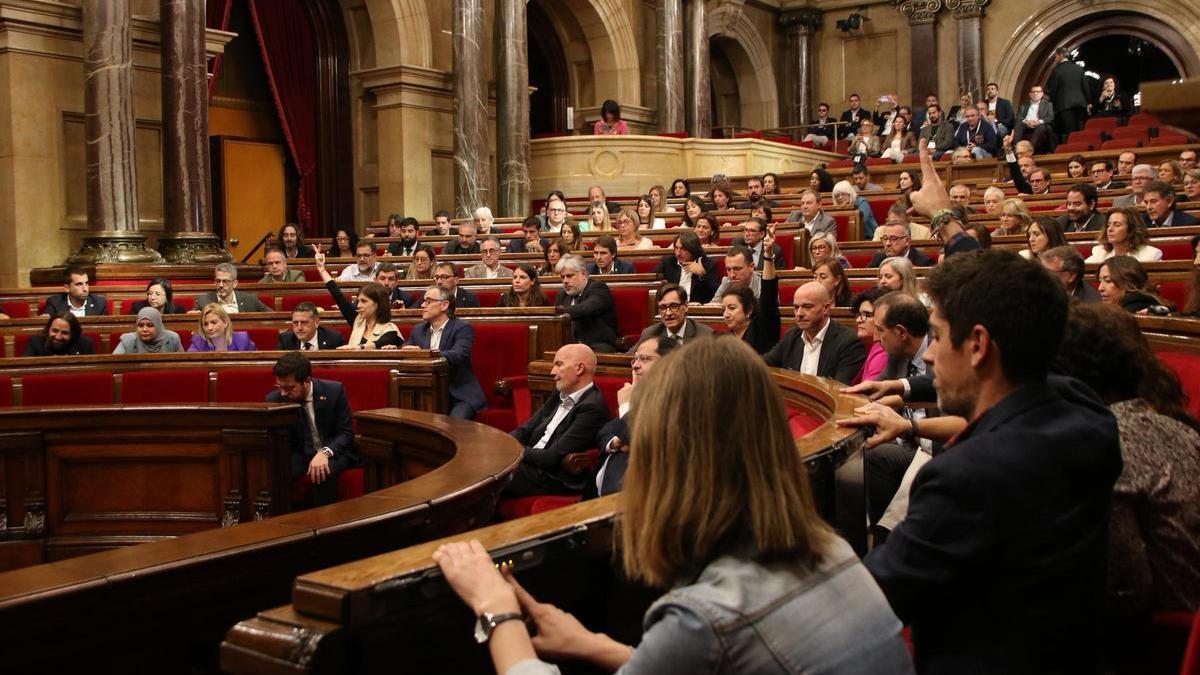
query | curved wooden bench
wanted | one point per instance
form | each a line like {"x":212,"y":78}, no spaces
{"x":165,"y":605}
{"x":371,"y":615}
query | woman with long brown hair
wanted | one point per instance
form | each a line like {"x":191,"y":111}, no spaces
{"x":1122,"y":281}
{"x":526,"y":290}
{"x":722,"y":515}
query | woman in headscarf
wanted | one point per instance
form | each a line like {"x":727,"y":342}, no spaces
{"x":150,"y":337}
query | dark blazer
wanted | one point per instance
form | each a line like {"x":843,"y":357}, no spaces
{"x":1094,"y":223}
{"x":327,"y":338}
{"x":1178,"y":219}
{"x":452,"y":247}
{"x":703,"y":287}
{"x":517,"y":244}
{"x":1045,"y":111}
{"x":961,"y":243}
{"x":1020,"y":182}
{"x":246,"y":302}
{"x":168,"y":309}
{"x":331,"y":411}
{"x":778,"y":252}
{"x":855,"y":118}
{"x":914,"y":254}
{"x":763,"y":333}
{"x":824,"y":127}
{"x":576,"y":433}
{"x":396,"y":248}
{"x":94,"y":305}
{"x":612,"y":464}
{"x":999,"y":565}
{"x":942,"y":134}
{"x":1084,"y":292}
{"x":593,"y":315}
{"x":619,"y":267}
{"x":456,"y":345}
{"x":842,"y":353}
{"x":691,"y":331}
{"x":1004,"y":113}
{"x":402,"y":296}
{"x":1067,"y":86}
{"x":962,"y":137}
{"x":37,"y":347}
{"x":304,"y":251}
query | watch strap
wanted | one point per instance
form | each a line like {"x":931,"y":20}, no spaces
{"x":487,"y":623}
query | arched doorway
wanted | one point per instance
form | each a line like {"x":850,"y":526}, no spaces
{"x":726,"y":101}
{"x":1102,"y":41}
{"x":547,"y":75}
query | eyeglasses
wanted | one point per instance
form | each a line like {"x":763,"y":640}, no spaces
{"x":557,"y":210}
{"x":887,"y":238}
{"x":443,"y":277}
{"x":670,"y":306}
{"x":364,"y":256}
{"x":225,"y":282}
{"x":645,"y":358}
{"x":863,"y":316}
{"x":426,"y":301}
{"x":490,"y":251}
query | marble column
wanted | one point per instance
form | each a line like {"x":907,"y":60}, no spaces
{"x":512,"y":109}
{"x":800,"y":25}
{"x":189,"y":237}
{"x":922,"y":22}
{"x":112,"y":202}
{"x":671,"y":69}
{"x":471,"y":182}
{"x":698,"y":95}
{"x":969,"y":14}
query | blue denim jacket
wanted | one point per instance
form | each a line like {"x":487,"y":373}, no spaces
{"x":740,"y":616}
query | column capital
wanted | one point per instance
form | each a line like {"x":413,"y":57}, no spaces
{"x":919,"y":11}
{"x":967,"y":9}
{"x":802,"y":20}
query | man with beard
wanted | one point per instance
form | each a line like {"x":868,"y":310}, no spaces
{"x":410,"y":237}
{"x":62,"y":337}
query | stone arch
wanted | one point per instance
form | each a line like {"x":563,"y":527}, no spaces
{"x":399,"y":31}
{"x":1031,"y":43}
{"x":599,"y":39}
{"x":748,"y":54}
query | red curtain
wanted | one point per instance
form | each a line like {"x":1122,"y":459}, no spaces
{"x":286,"y":39}
{"x":216,"y":16}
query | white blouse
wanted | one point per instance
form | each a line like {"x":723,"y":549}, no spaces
{"x":1145,"y":253}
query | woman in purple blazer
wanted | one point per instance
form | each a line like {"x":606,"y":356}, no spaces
{"x":216,"y":333}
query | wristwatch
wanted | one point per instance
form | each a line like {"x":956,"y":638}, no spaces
{"x":327,"y":451}
{"x":487,"y":623}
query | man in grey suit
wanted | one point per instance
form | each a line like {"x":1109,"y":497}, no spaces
{"x":937,"y":130}
{"x":1141,"y":175}
{"x":818,"y":345}
{"x":1035,"y":119}
{"x":227,"y":295}
{"x":489,"y":267}
{"x":810,"y":214}
{"x":673,"y":322}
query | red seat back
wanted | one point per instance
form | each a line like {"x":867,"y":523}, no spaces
{"x":5,"y":391}
{"x":264,"y":338}
{"x":366,"y":388}
{"x":633,"y":314}
{"x":20,"y":341}
{"x":1174,"y":292}
{"x":243,"y":385}
{"x":321,"y":300}
{"x":507,"y":348}
{"x":73,"y":389}
{"x":1187,"y":368}
{"x":609,"y":385}
{"x":165,"y":386}
{"x":15,"y":310}
{"x":488,"y":297}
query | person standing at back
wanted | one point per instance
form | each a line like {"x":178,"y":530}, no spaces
{"x":1068,"y":90}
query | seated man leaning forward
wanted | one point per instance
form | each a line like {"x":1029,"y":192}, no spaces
{"x":566,"y":423}
{"x":323,"y":435}
{"x":590,"y":305}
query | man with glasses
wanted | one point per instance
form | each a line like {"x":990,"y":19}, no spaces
{"x":822,"y":132}
{"x":673,"y":322}
{"x":613,"y":438}
{"x":753,"y":232}
{"x":489,"y":267}
{"x":1102,"y":176}
{"x":227,"y":295}
{"x":1142,"y":174}
{"x":323,"y":435}
{"x":454,"y":339}
{"x":818,"y":345}
{"x":445,"y":275}
{"x":307,"y":333}
{"x":363,"y":268}
{"x":1034,"y":120}
{"x":897,"y":240}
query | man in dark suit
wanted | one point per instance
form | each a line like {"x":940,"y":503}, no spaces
{"x":1160,"y":206}
{"x":227,"y":295}
{"x":753,"y":231}
{"x":323,"y":434}
{"x":566,"y":423}
{"x":1068,"y":90}
{"x":818,"y":345}
{"x":307,"y":333}
{"x":674,"y":324}
{"x":409,"y":231}
{"x":999,"y":565}
{"x":531,"y":229}
{"x":1102,"y":176}
{"x":690,"y":268}
{"x":605,"y":260}
{"x":1082,"y":215}
{"x":589,"y":304}
{"x":613,"y":438}
{"x":455,"y":339}
{"x":896,"y":239}
{"x":1035,"y":120}
{"x":388,"y":276}
{"x":1000,"y":108}
{"x":77,"y":297}
{"x":466,"y":242}
{"x":1065,"y":264}
{"x":853,"y":116}
{"x":446,"y":276}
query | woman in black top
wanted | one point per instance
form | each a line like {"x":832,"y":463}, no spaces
{"x":160,"y":296}
{"x":1112,"y":102}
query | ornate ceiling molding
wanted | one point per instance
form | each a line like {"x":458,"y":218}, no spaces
{"x":919,"y":11}
{"x":804,"y":19}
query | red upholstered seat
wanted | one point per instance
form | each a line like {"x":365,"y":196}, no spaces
{"x":1143,"y":120}
{"x":860,"y":259}
{"x":674,"y":134}
{"x":544,"y":503}
{"x":488,"y":297}
{"x":73,"y":389}
{"x":840,"y":163}
{"x":506,"y":347}
{"x":243,"y":385}
{"x":843,"y":226}
{"x":1119,"y":143}
{"x":1169,"y":139}
{"x":1139,"y":132}
{"x":517,"y":507}
{"x":1175,"y":249}
{"x":1174,"y":292}
{"x":609,"y":385}
{"x":187,"y":302}
{"x":264,"y":338}
{"x":321,"y":300}
{"x":802,"y":421}
{"x":367,"y":388}
{"x":645,"y":265}
{"x":778,"y":139}
{"x":748,"y":134}
{"x":1101,"y":123}
{"x":1090,"y":136}
{"x":1187,"y":367}
{"x":1077,"y":146}
{"x":551,"y":295}
{"x":15,"y":310}
{"x":911,"y":159}
{"x":786,"y":242}
{"x":20,"y":340}
{"x":267,"y":299}
{"x":165,"y":386}
{"x":879,"y":161}
{"x":5,"y":391}
{"x":633,"y":313}
{"x":879,"y":209}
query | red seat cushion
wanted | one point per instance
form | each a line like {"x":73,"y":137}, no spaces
{"x":1187,"y":367}
{"x":517,"y":507}
{"x":1170,"y":139}
{"x":165,"y":386}
{"x":243,"y":385}
{"x":15,"y":310}
{"x":264,"y":338}
{"x":1101,"y":123}
{"x":5,"y":391}
{"x":1094,"y":136}
{"x":802,"y":422}
{"x":609,"y":385}
{"x":633,"y":309}
{"x":367,"y":388}
{"x":73,"y":389}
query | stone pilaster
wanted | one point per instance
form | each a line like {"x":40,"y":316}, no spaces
{"x":512,"y":109}
{"x":800,"y":26}
{"x":670,"y":66}
{"x":922,"y":22}
{"x":969,"y":14}
{"x":112,"y":202}
{"x":186,"y":195}
{"x":471,"y":171}
{"x":697,"y":93}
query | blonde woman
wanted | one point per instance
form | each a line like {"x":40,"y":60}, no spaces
{"x":722,"y":516}
{"x":993,"y":199}
{"x":628,"y":237}
{"x":1014,"y":217}
{"x":598,"y":219}
{"x":216,"y":333}
{"x":896,"y":274}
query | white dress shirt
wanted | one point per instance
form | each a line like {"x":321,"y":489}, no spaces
{"x":565,"y":404}
{"x":812,"y":350}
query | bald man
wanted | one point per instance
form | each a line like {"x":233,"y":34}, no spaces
{"x":818,"y":345}
{"x":566,"y":423}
